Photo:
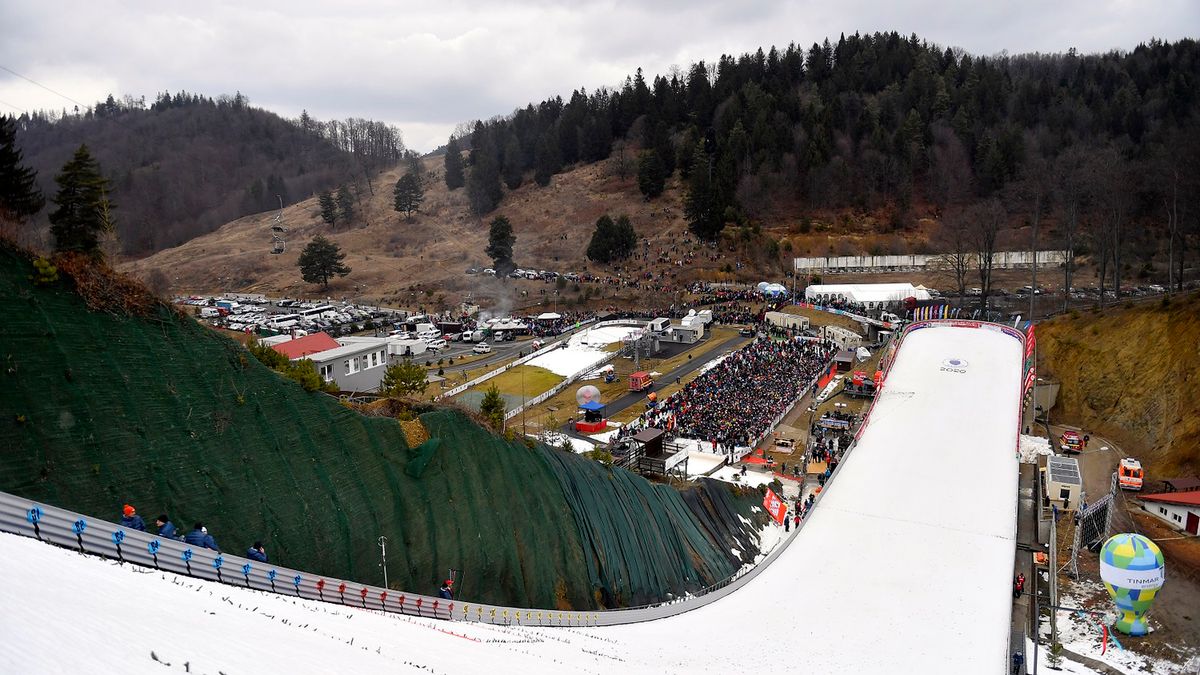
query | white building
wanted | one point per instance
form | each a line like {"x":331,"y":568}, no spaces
{"x":1180,"y":510}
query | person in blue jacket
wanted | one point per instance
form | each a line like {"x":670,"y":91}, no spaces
{"x":166,"y":528}
{"x":257,"y":552}
{"x":131,"y":519}
{"x":446,"y":591}
{"x":199,"y":536}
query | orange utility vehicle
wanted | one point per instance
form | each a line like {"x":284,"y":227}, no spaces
{"x":1129,"y":474}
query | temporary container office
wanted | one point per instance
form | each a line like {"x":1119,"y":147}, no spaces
{"x":1064,"y":487}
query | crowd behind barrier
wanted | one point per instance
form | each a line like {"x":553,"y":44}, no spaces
{"x":738,"y":401}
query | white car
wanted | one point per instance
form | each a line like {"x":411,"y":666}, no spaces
{"x":482,"y":348}
{"x":436,"y":345}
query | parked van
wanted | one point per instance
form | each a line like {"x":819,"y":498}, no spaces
{"x":209,"y":312}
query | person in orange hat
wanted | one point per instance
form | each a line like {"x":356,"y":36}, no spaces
{"x":131,"y":519}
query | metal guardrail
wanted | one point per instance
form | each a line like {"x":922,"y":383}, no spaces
{"x":68,"y":529}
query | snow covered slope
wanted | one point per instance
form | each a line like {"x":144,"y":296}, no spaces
{"x":903,"y":567}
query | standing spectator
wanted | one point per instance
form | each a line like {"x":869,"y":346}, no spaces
{"x":199,"y":536}
{"x":257,"y":552}
{"x":165,"y":527}
{"x":446,"y":591}
{"x":132,"y":520}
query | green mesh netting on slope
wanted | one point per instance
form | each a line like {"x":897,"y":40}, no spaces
{"x":100,"y":410}
{"x":644,"y":540}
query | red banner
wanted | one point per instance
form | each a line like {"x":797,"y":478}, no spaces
{"x":775,"y":506}
{"x":1030,"y":341}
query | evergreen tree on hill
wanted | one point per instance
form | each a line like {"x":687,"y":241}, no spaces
{"x":345,"y":203}
{"x":328,"y":208}
{"x":83,"y":212}
{"x":652,"y":176}
{"x":19,"y":194}
{"x":454,"y":166}
{"x":408,"y":195}
{"x":322,"y":260}
{"x":612,"y":240}
{"x":500,"y":245}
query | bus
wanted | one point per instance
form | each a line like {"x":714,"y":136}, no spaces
{"x":282,"y":321}
{"x":317,"y":311}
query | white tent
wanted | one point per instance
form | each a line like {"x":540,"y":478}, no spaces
{"x":548,"y":316}
{"x":870,"y":295}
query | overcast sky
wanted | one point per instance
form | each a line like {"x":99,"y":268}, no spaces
{"x":426,"y":67}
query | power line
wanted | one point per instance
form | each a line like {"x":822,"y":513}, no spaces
{"x":56,"y":93}
{"x":14,"y":107}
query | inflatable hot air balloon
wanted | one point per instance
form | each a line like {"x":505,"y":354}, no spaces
{"x":1133,"y":570}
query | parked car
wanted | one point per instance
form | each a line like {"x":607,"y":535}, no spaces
{"x":746,"y":332}
{"x":482,"y":348}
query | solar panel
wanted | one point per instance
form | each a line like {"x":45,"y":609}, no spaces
{"x":1064,"y":470}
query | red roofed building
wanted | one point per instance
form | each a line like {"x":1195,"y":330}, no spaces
{"x":309,"y":344}
{"x":1180,"y":510}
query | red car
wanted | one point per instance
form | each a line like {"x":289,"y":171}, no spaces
{"x":1071,"y":443}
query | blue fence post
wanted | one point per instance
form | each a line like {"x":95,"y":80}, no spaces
{"x":78,"y":527}
{"x":187,"y":559}
{"x":153,"y":547}
{"x":217,"y":562}
{"x":271,"y":577}
{"x":296,"y":582}
{"x":119,"y":536}
{"x":34,"y":515}
{"x":246,"y":573}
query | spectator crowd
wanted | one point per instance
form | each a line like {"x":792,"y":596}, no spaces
{"x":736,"y":401}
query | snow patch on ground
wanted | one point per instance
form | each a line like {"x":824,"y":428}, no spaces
{"x":1080,"y":633}
{"x":583,"y":350}
{"x":700,"y":463}
{"x":555,"y":439}
{"x":731,"y":474}
{"x":1033,"y":446}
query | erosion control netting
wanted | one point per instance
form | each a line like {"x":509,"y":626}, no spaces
{"x":101,"y":409}
{"x":644,"y":540}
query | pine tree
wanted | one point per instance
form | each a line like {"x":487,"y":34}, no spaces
{"x":483,"y":182}
{"x":454,"y":166}
{"x":546,"y":158}
{"x":492,"y":408}
{"x":403,"y":379}
{"x":612,"y":240}
{"x":345,"y":203}
{"x":19,"y":194}
{"x":500,"y":245}
{"x":321,"y":260}
{"x":513,"y":173}
{"x":700,"y":205}
{"x":652,"y":177}
{"x":328,"y":208}
{"x":84,"y":210}
{"x":408,"y":195}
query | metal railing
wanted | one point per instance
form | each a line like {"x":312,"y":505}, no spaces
{"x":68,"y":529}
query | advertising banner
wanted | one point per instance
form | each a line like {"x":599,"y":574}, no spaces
{"x":775,"y":506}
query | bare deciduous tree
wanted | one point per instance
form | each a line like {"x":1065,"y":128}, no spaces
{"x":1071,"y":184}
{"x":986,"y":220}
{"x":954,"y":239}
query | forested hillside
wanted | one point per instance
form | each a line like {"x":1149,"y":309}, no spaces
{"x":187,"y":164}
{"x":882,"y":122}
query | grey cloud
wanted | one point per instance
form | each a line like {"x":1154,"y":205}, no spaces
{"x":427,"y":66}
